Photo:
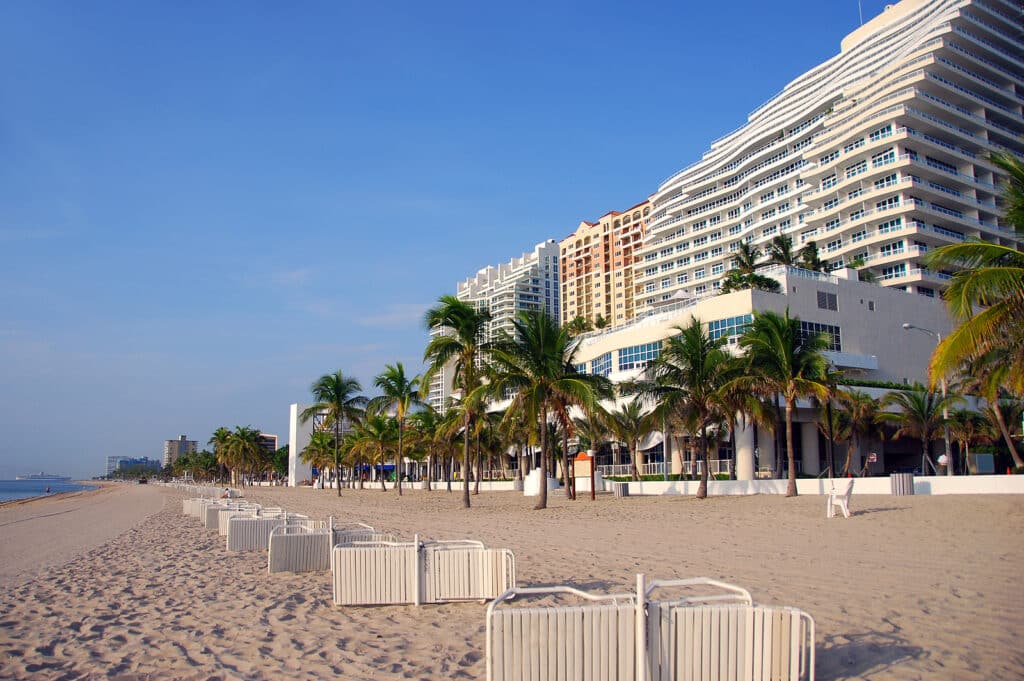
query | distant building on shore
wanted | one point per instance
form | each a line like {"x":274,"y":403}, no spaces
{"x":268,"y":442}
{"x":176,"y":448}
{"x":118,"y":463}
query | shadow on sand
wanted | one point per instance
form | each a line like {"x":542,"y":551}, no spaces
{"x":845,"y":656}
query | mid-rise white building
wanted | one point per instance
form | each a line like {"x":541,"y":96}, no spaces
{"x":877,"y":155}
{"x":529,"y":282}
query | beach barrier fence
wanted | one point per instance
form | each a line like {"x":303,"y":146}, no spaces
{"x":253,"y":534}
{"x":393,"y":573}
{"x":720,"y":635}
{"x":305,"y":546}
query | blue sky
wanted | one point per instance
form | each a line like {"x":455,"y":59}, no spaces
{"x":205,"y":206}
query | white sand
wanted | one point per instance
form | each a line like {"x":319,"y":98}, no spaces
{"x":908,"y":588}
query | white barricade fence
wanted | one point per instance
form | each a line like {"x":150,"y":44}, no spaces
{"x":305,"y":545}
{"x":294,"y":547}
{"x":720,"y":635}
{"x":595,"y":639}
{"x":213,"y":512}
{"x":389,"y":573}
{"x":253,"y":534}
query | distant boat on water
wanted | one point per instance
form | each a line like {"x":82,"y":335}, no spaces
{"x":43,"y":476}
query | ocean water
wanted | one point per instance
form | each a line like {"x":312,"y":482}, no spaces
{"x":25,"y":489}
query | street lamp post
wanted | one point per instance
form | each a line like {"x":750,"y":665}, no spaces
{"x":945,"y":408}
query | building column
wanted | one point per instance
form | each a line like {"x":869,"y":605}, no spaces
{"x":745,"y":451}
{"x":765,"y":450}
{"x":810,"y":457}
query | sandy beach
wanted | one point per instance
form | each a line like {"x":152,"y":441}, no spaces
{"x":127,"y":587}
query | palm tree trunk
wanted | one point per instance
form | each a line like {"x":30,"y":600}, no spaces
{"x":633,"y":461}
{"x":790,"y":458}
{"x":430,"y":471}
{"x":337,"y":464}
{"x":465,"y":464}
{"x":566,"y":479}
{"x":479,"y":466}
{"x":702,"y":488}
{"x":399,"y":459}
{"x":542,"y":501}
{"x":1017,"y":463}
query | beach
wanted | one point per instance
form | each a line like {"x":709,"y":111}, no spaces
{"x":908,"y":588}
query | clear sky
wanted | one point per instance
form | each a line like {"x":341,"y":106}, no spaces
{"x":205,"y":206}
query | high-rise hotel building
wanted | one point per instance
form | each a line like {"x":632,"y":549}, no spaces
{"x":877,"y":155}
{"x":597,"y":267}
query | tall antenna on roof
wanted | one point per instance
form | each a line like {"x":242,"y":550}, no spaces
{"x":860,"y":11}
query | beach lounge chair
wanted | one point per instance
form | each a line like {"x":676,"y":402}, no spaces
{"x":840,"y":499}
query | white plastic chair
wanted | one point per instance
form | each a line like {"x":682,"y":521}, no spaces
{"x":840,"y":499}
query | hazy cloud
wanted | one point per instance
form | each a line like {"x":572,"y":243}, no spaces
{"x":294,"y":277}
{"x":397,"y":315}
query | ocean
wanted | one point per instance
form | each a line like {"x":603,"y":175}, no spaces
{"x":25,"y":489}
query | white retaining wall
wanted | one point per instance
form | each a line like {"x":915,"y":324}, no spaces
{"x":926,"y":485}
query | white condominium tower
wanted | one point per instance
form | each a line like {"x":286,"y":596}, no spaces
{"x":529,"y":282}
{"x":877,"y":155}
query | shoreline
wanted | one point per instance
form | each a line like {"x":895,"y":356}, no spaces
{"x":93,"y":486}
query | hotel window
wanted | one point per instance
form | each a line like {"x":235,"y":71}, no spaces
{"x":834,"y":245}
{"x":883,"y":158}
{"x":891,"y":202}
{"x":830,"y":204}
{"x":853,"y":145}
{"x":638,"y":356}
{"x":682,"y":247}
{"x":894,"y":271}
{"x":714,"y":219}
{"x":894,"y":248}
{"x":827,"y":301}
{"x":887,"y":181}
{"x":699,"y":274}
{"x":880,"y":133}
{"x":682,"y":262}
{"x":828,"y":182}
{"x":807,"y":329}
{"x":650,"y":287}
{"x":602,"y":366}
{"x":650,"y":271}
{"x":700,"y":241}
{"x":717,"y":268}
{"x":666,"y":282}
{"x":828,"y":158}
{"x":682,"y":278}
{"x":734,"y":230}
{"x":856,"y":169}
{"x":700,"y":290}
{"x":730,"y":326}
{"x":715,"y":236}
{"x":716,"y":251}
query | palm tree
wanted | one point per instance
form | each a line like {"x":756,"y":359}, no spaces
{"x":243,"y":450}
{"x":690,"y":379}
{"x":536,"y":367}
{"x":375,"y":437}
{"x":780,"y":251}
{"x":319,"y":451}
{"x":219,"y":441}
{"x":401,"y":394}
{"x":967,"y":427}
{"x":337,"y":400}
{"x":783,"y":359}
{"x":460,"y":340}
{"x":431,"y":436}
{"x":630,"y":423}
{"x":810,"y":258}
{"x":984,"y":375}
{"x":919,"y":416}
{"x":986,"y":295}
{"x":861,"y":414}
